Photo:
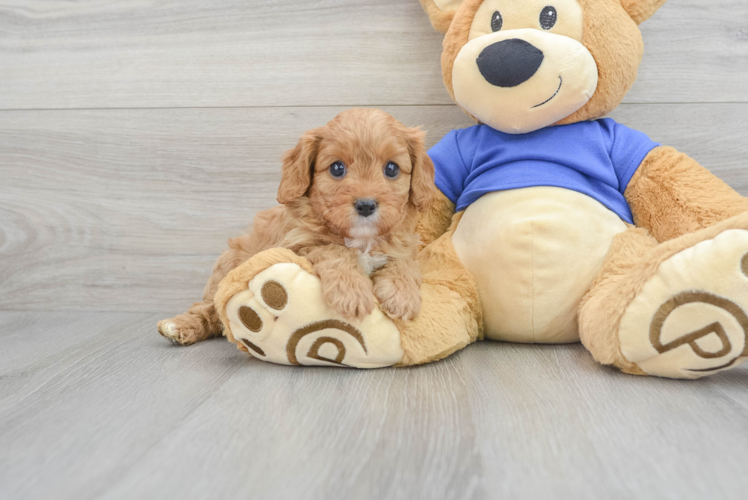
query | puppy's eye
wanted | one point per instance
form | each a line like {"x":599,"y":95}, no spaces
{"x":391,"y":170}
{"x":338,"y":170}
{"x":548,"y":18}
{"x":497,"y":21}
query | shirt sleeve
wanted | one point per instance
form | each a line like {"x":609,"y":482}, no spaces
{"x":628,"y":148}
{"x":450,"y":169}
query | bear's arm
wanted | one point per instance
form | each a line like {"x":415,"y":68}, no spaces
{"x":436,"y":220}
{"x":671,"y":195}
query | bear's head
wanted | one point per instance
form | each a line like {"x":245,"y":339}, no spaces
{"x":522,"y":65}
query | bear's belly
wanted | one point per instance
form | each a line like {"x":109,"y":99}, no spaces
{"x":534,"y":253}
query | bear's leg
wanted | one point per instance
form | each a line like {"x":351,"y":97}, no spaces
{"x":451,"y":316}
{"x":272,"y":307}
{"x":677,"y":309}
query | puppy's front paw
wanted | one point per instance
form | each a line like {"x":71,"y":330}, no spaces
{"x":350,"y":296}
{"x":399,"y":298}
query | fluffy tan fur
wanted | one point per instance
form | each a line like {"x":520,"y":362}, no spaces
{"x":435,"y":221}
{"x":452,"y":316}
{"x":634,"y":258}
{"x":617,"y":57}
{"x":602,"y":308}
{"x":671,"y":195}
{"x":318,"y":220}
{"x":440,"y":19}
{"x":456,"y":38}
{"x":641,"y":10}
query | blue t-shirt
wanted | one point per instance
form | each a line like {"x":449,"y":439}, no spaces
{"x":596,"y":158}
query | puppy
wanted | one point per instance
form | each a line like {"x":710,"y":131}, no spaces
{"x":349,"y":193}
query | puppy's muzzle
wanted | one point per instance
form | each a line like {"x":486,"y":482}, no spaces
{"x":365,"y":206}
{"x":509,"y":63}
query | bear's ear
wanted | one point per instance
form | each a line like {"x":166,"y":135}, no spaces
{"x":441,"y":12}
{"x":641,"y":10}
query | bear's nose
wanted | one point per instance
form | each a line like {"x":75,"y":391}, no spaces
{"x":509,"y":63}
{"x":365,"y":207}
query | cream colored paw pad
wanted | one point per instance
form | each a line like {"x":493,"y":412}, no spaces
{"x":690,"y":319}
{"x":283,"y":318}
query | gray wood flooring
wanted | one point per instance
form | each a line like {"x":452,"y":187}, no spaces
{"x":136,"y":136}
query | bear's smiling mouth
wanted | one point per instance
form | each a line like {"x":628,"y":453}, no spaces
{"x":561,"y":82}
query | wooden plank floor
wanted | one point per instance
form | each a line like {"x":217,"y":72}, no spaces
{"x":135,"y":137}
{"x":95,"y":405}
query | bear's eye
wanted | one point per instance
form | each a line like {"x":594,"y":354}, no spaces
{"x":497,"y":21}
{"x":338,"y":170}
{"x":391,"y":170}
{"x":548,"y":18}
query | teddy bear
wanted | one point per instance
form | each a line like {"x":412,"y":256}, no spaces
{"x":553,"y":223}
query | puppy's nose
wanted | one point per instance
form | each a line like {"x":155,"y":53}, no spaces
{"x":509,"y":63}
{"x":365,"y":206}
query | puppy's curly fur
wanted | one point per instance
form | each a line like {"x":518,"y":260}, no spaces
{"x":317,"y":219}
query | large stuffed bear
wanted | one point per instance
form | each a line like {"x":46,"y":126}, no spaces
{"x":554,"y":226}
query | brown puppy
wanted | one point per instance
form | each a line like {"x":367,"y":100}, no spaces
{"x":349,"y":192}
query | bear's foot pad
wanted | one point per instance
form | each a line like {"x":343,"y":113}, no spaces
{"x":691,"y":317}
{"x":282,"y":317}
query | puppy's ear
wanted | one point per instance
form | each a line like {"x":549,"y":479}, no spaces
{"x":641,"y":10}
{"x":441,"y":12}
{"x":298,"y":164}
{"x":422,"y":188}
